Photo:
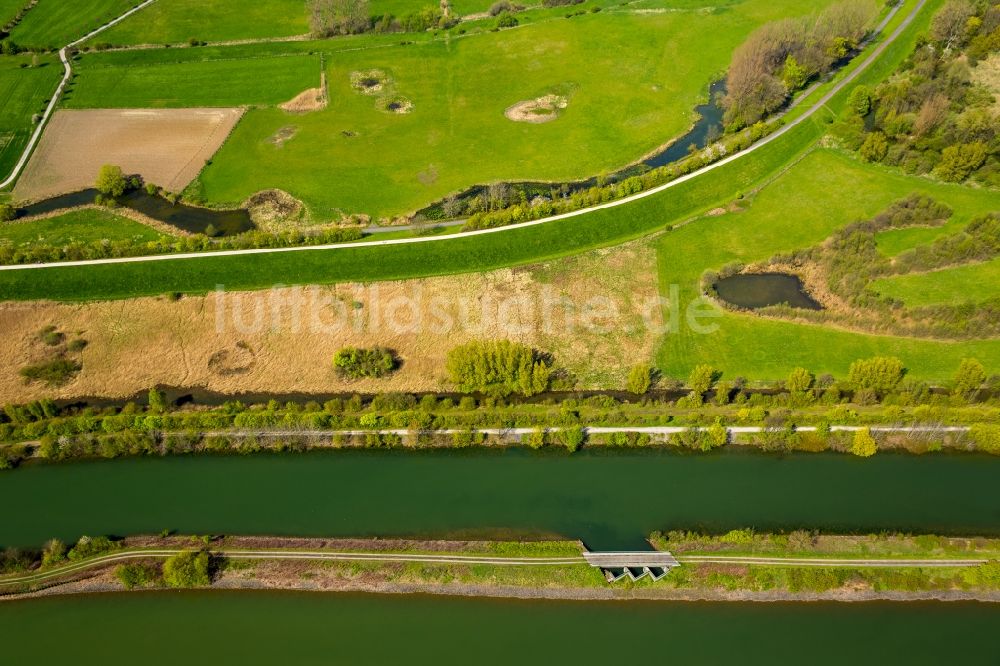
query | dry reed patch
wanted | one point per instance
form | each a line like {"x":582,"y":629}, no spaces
{"x":283,"y":340}
{"x":168,"y":147}
{"x":541,"y":110}
{"x":987,"y":73}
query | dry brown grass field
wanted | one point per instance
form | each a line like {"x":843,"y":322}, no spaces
{"x":589,"y":311}
{"x":167,"y":147}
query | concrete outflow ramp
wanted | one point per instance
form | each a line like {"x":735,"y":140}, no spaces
{"x":167,"y":146}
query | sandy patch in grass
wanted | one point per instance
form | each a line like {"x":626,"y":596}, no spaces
{"x":283,"y":340}
{"x":540,"y":110}
{"x":168,"y":147}
{"x":279,"y":138}
{"x":307,"y":101}
{"x":369,"y":82}
{"x":396,"y":104}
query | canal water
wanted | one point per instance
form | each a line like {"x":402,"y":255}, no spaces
{"x":299,"y":628}
{"x":611,"y":499}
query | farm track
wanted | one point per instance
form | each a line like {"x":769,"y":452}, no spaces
{"x":872,"y":57}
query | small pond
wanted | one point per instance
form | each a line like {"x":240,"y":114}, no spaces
{"x":763,"y":289}
{"x":188,"y":218}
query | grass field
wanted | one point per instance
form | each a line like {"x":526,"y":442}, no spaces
{"x":81,"y":226}
{"x":891,"y":243}
{"x":798,"y":210}
{"x":972,"y":283}
{"x":632,"y":80}
{"x":24,"y":91}
{"x":9,"y":9}
{"x":56,"y":23}
{"x":175,"y":21}
{"x":265,"y":80}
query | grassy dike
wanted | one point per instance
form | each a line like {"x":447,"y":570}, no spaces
{"x":233,"y":564}
{"x":456,"y":254}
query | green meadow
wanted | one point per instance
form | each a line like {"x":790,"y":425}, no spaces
{"x":799,"y":209}
{"x":175,"y":21}
{"x":79,"y":226}
{"x":972,"y":283}
{"x":631,"y":80}
{"x":25,"y":90}
{"x":225,"y":82}
{"x":55,"y":23}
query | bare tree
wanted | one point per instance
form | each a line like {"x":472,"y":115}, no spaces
{"x":338,"y":17}
{"x":948,"y":25}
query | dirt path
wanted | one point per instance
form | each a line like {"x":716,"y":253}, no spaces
{"x":806,"y":115}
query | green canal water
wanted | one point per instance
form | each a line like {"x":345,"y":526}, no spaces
{"x":276,"y":628}
{"x":610,"y":499}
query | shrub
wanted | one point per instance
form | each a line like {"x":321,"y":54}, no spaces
{"x":536,"y":439}
{"x":639,"y":379}
{"x":860,"y":100}
{"x":53,"y":553}
{"x":799,"y":380}
{"x":986,"y":437}
{"x":498,"y":368}
{"x":188,"y":568}
{"x":863,"y":444}
{"x":111,"y":181}
{"x":971,"y":375}
{"x":573,"y":438}
{"x":701,"y":379}
{"x":507,"y":20}
{"x":90,"y":547}
{"x":879,"y":373}
{"x":7,"y":212}
{"x":357,"y":363}
{"x":54,"y":373}
{"x":875,"y":147}
{"x":132,"y":576}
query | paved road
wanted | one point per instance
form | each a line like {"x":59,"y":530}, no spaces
{"x":840,"y":85}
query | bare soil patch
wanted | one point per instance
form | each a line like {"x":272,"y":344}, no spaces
{"x":168,"y":147}
{"x":541,"y":110}
{"x":283,"y":340}
{"x":307,"y":101}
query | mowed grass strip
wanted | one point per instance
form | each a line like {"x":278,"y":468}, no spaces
{"x":973,"y":283}
{"x":175,"y":21}
{"x":81,"y":226}
{"x":245,"y":81}
{"x":801,"y":208}
{"x":24,"y":91}
{"x":53,"y":24}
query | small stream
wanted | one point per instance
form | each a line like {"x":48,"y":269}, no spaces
{"x":192,"y":219}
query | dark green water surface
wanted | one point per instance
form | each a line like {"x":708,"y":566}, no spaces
{"x":610,"y":499}
{"x":282,"y":628}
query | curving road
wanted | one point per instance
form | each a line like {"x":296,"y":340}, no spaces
{"x":807,"y":114}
